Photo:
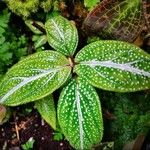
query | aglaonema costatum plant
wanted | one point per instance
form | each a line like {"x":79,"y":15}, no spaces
{"x":109,"y":65}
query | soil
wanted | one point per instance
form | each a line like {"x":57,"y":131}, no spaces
{"x":20,"y":128}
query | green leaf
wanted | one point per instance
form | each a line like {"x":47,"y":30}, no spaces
{"x":46,"y":108}
{"x":114,"y":66}
{"x":62,"y":35}
{"x":58,"y":136}
{"x":2,"y":40}
{"x":91,"y":4}
{"x":34,"y":77}
{"x":1,"y":77}
{"x":121,"y":20}
{"x":4,"y":18}
{"x":35,"y":26}
{"x":79,"y":115}
{"x":40,"y":41}
{"x":28,"y":145}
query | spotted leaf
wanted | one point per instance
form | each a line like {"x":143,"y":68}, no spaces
{"x":47,"y":110}
{"x":79,"y":114}
{"x":34,"y":77}
{"x":146,"y":9}
{"x":114,"y":66}
{"x":62,"y":35}
{"x":115,"y":19}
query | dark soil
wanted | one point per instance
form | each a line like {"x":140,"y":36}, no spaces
{"x":20,"y":128}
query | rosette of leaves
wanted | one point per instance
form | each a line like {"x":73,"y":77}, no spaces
{"x":109,"y":65}
{"x":116,"y":19}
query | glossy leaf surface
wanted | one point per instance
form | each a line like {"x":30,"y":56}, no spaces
{"x":116,"y":19}
{"x":114,"y":66}
{"x":34,"y":77}
{"x":46,"y":108}
{"x":79,"y":114}
{"x":62,"y":35}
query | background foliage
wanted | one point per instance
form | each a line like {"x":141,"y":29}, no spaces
{"x":13,"y":45}
{"x":130,"y":112}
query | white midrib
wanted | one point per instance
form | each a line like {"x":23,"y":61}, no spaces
{"x":58,"y":30}
{"x":80,"y":117}
{"x":28,"y":80}
{"x":111,"y":64}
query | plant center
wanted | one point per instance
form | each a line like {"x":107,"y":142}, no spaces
{"x":71,"y":62}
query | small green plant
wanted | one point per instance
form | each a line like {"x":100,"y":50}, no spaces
{"x":129,"y":109}
{"x":39,"y":37}
{"x":12,"y":46}
{"x":28,"y":145}
{"x":58,"y":136}
{"x":109,"y":65}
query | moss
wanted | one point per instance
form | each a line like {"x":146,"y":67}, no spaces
{"x":46,"y":5}
{"x":25,"y":8}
